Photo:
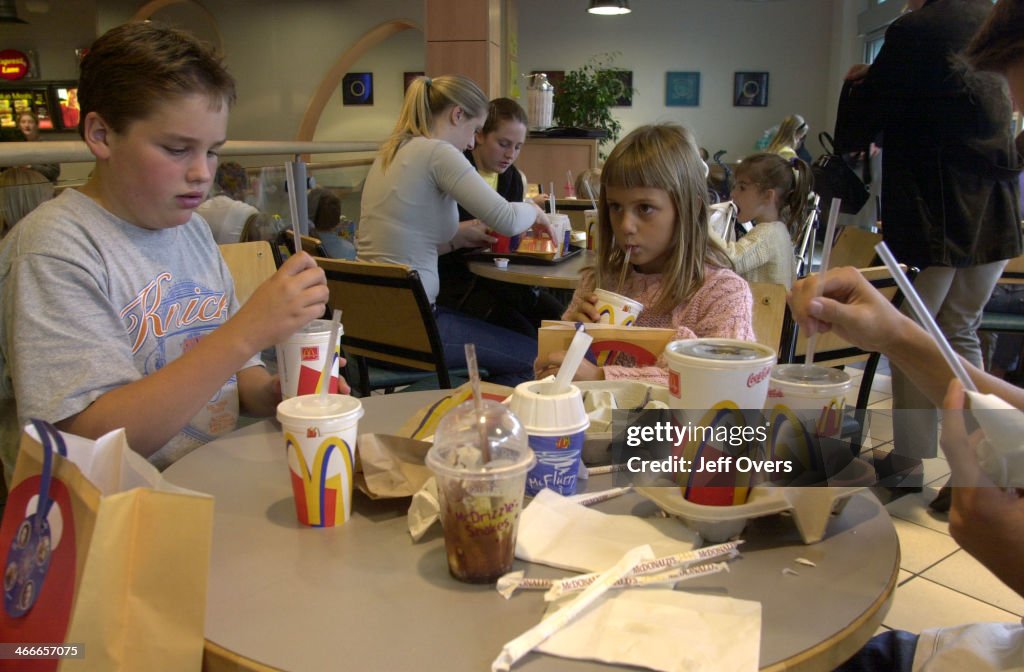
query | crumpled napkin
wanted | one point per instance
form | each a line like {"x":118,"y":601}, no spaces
{"x":425,"y":509}
{"x":642,"y":627}
{"x":555,"y":531}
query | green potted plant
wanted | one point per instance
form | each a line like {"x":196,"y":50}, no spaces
{"x":585,"y":97}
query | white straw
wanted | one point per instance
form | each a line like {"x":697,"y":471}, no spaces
{"x":924,"y":317}
{"x":590,"y":193}
{"x":332,"y":346}
{"x":826,"y":252}
{"x":573,"y":358}
{"x":293,"y":204}
{"x":551,"y":199}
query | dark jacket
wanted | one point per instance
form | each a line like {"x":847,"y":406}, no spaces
{"x":949,"y":167}
{"x":510,"y":185}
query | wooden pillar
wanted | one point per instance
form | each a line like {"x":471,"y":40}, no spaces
{"x":467,"y":37}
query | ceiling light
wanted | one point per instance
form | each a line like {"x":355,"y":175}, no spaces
{"x":609,"y":7}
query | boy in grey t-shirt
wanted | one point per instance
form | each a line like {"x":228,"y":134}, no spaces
{"x":118,"y":310}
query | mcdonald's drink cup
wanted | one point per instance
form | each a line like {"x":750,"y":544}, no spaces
{"x":300,"y":359}
{"x":562,"y":227}
{"x":713,"y":380}
{"x":480,"y":501}
{"x":616,"y":308}
{"x":320,"y":439}
{"x":814,"y":395}
{"x":590,"y":224}
{"x":555,"y":424}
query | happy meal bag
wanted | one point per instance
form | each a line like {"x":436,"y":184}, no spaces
{"x":102,"y":555}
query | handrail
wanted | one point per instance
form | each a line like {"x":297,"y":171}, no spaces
{"x":70,"y":151}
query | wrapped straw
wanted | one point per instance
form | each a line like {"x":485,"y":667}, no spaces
{"x":826,"y":252}
{"x":925,"y":317}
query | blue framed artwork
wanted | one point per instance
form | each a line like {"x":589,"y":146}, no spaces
{"x":357,"y":88}
{"x":682,"y":89}
{"x":750,"y":89}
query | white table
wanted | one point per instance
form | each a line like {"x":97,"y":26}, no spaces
{"x":364,"y":597}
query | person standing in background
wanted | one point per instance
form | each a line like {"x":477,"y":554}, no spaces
{"x":949,"y":185}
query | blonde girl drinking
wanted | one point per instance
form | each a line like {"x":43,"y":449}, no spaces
{"x":771,"y":192}
{"x":654,"y":205}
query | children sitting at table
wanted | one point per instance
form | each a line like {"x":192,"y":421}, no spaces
{"x":118,"y":309}
{"x":771,"y":192}
{"x":653,"y":215}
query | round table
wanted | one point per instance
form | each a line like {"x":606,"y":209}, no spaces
{"x":363,"y":596}
{"x":561,"y":275}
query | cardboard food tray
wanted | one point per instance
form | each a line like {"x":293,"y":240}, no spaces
{"x":534,"y":258}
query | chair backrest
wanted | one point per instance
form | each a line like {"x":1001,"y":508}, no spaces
{"x":250,"y":264}
{"x":855,"y":247}
{"x":1013,"y":274}
{"x":386,"y":314}
{"x":310,"y":245}
{"x":830,"y":349}
{"x":804,"y":246}
{"x":769,"y":312}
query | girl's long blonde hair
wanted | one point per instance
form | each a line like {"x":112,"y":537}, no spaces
{"x":425,"y":99}
{"x":792,"y":129}
{"x":661,"y":156}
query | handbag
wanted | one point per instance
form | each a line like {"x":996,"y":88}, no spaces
{"x":103,"y":555}
{"x":833,"y":178}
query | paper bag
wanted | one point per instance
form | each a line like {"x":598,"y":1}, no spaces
{"x":422,"y":424}
{"x":642,"y":344}
{"x":117,"y":557}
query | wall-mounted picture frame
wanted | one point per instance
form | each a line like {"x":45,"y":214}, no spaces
{"x":750,"y":89}
{"x":625,"y":78}
{"x":407,"y":79}
{"x":682,"y":89}
{"x":357,"y":88}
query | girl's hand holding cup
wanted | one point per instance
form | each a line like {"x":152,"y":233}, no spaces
{"x":586,"y":311}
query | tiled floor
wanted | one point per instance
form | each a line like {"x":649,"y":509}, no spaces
{"x":939,"y":584}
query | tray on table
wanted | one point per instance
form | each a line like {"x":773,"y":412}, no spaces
{"x":537,"y":258}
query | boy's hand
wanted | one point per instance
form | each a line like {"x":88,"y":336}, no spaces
{"x":586,"y":311}
{"x":288,"y":300}
{"x":549,"y":366}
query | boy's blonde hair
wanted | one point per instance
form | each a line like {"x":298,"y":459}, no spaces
{"x":662,"y":156}
{"x":425,"y":99}
{"x":133,"y":68}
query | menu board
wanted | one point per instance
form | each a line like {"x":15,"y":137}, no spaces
{"x":13,"y":101}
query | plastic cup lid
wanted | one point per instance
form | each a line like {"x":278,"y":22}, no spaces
{"x":318,"y":327}
{"x":809,"y":374}
{"x":720,"y":349}
{"x":310,"y":407}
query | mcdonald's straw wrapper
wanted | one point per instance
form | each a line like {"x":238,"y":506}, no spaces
{"x":526,"y":642}
{"x":320,"y":439}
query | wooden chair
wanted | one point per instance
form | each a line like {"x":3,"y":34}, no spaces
{"x":804,"y":248}
{"x":855,"y":247}
{"x":387,"y":318}
{"x":310,"y":245}
{"x":250,"y":264}
{"x":769,"y":312}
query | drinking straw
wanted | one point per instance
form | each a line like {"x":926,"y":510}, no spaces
{"x":569,"y":183}
{"x":551,"y":197}
{"x":826,"y":252}
{"x":925,"y":317}
{"x":573,"y":358}
{"x":478,"y":401}
{"x":590,"y":193}
{"x":622,"y":275}
{"x":293,"y":204}
{"x":325,"y":375}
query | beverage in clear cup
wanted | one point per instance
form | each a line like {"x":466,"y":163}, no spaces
{"x":481,"y":495}
{"x":300,"y":359}
{"x":562,"y":228}
{"x":713,"y":381}
{"x":556,"y":424}
{"x":590,"y":224}
{"x":320,"y":440}
{"x":616,"y":308}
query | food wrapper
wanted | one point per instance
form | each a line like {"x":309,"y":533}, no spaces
{"x":425,"y":509}
{"x":391,"y":466}
{"x":422,"y":424}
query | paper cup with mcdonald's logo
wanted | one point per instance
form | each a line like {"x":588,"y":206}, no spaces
{"x":616,"y":308}
{"x":320,"y":439}
{"x":300,"y":359}
{"x":713,"y":381}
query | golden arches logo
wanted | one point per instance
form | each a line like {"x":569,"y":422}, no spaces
{"x":321,"y":496}
{"x":698,"y":448}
